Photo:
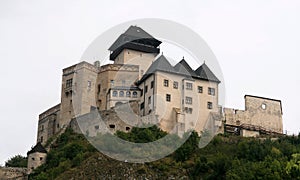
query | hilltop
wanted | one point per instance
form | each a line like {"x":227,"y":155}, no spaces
{"x":226,"y":156}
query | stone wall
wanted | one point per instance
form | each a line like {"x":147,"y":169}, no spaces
{"x":121,"y":118}
{"x":9,"y":173}
{"x":260,"y":114}
{"x":48,"y":124}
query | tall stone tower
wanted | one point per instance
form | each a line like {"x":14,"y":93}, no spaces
{"x":135,"y":46}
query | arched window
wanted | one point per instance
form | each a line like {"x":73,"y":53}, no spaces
{"x":134,"y":94}
{"x":121,"y":93}
{"x":128,"y":94}
{"x":115,"y":93}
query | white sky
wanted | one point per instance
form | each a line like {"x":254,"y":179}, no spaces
{"x":256,"y":43}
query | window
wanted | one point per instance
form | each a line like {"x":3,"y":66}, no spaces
{"x":32,"y":158}
{"x":188,"y":110}
{"x":97,"y":127}
{"x":142,"y":105}
{"x":69,"y":83}
{"x":200,"y":89}
{"x":211,"y":91}
{"x":121,"y":93}
{"x":41,"y":158}
{"x":112,"y":126}
{"x":89,"y":84}
{"x":99,"y":88}
{"x":142,"y":92}
{"x":57,"y":125}
{"x":112,"y":82}
{"x":146,"y":89}
{"x":263,"y":106}
{"x":42,"y":138}
{"x":149,"y":100}
{"x":209,"y":105}
{"x":152,"y":84}
{"x":166,"y":83}
{"x":42,"y":129}
{"x":128,"y":93}
{"x":115,"y":93}
{"x":168,"y":97}
{"x":175,"y":85}
{"x":127,"y":128}
{"x":188,"y":100}
{"x":134,"y":94}
{"x":189,"y":86}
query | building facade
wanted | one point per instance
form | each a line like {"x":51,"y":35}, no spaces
{"x":179,"y":97}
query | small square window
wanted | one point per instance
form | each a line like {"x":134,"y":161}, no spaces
{"x":166,"y":83}
{"x":189,"y":86}
{"x":188,"y":100}
{"x":200,"y":89}
{"x":211,"y":91}
{"x":175,"y":85}
{"x":168,"y":97}
{"x":69,"y":83}
{"x":209,"y":105}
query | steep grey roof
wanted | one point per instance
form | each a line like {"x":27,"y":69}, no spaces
{"x":203,"y":72}
{"x":131,"y":34}
{"x":37,"y":148}
{"x":184,"y":68}
{"x":160,"y":64}
{"x":181,"y":68}
{"x":137,"y":32}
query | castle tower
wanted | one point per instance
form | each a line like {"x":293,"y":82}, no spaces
{"x":36,"y":157}
{"x":78,"y":91}
{"x":135,"y":46}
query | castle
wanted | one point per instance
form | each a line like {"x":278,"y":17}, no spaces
{"x":179,"y":97}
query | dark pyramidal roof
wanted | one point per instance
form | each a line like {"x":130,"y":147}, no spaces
{"x":203,"y":72}
{"x":133,"y":33}
{"x":37,"y":148}
{"x":161,"y":64}
{"x":182,"y":68}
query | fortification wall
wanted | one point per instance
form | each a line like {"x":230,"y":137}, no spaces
{"x":9,"y":173}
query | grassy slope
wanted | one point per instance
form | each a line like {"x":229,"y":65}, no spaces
{"x":72,"y":157}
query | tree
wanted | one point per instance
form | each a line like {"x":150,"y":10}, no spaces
{"x":16,"y":161}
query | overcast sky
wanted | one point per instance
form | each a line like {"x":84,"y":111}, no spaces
{"x":256,"y":42}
